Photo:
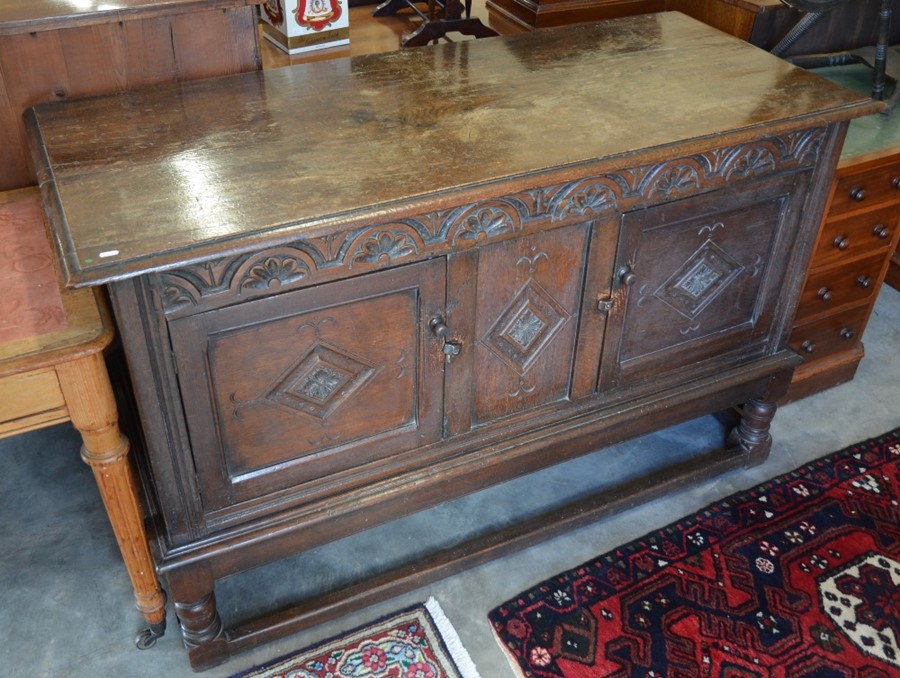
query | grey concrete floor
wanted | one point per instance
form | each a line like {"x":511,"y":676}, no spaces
{"x":66,"y":603}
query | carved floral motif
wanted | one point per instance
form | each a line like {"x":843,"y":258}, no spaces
{"x":753,"y":162}
{"x":675,"y":180}
{"x":321,"y":384}
{"x":442,"y":231}
{"x":317,"y":384}
{"x":485,"y":223}
{"x":699,"y":280}
{"x":526,"y":327}
{"x":274,"y":271}
{"x":804,"y":146}
{"x":582,"y":199}
{"x":385,"y":247}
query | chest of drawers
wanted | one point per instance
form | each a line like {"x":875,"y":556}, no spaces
{"x":853,"y":252}
{"x":352,"y":290}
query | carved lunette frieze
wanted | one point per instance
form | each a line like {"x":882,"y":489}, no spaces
{"x":312,"y":260}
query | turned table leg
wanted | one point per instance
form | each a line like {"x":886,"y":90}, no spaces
{"x":92,"y":409}
{"x":199,"y":619}
{"x":193,"y":592}
{"x":752,"y":432}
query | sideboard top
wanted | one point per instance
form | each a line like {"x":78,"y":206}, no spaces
{"x":24,"y":16}
{"x":155,"y":178}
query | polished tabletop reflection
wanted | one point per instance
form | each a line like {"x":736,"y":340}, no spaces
{"x":150,"y":177}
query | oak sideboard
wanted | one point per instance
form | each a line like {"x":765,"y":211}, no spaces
{"x":351,"y":290}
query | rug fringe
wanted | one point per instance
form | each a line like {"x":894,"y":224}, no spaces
{"x":451,"y":639}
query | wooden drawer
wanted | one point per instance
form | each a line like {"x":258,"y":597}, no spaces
{"x":835,"y":287}
{"x":830,"y":335}
{"x":869,"y":188}
{"x":845,"y":239}
{"x":23,"y":395}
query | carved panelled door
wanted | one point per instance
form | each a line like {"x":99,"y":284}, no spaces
{"x":313,"y":383}
{"x":690,"y":281}
{"x":514,"y":308}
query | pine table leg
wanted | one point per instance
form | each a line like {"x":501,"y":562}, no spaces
{"x":89,"y":397}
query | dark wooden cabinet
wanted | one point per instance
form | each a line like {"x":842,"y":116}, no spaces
{"x":342,"y":308}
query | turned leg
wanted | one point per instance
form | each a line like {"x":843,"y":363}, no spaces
{"x":192,"y":591}
{"x":199,"y":620}
{"x":92,"y":409}
{"x":752,"y":432}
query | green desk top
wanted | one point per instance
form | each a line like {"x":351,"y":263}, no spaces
{"x":873,"y":133}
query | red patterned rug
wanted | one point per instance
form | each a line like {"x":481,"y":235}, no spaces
{"x":415,"y":643}
{"x":797,"y":577}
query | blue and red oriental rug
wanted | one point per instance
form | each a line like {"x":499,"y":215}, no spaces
{"x":798,"y":577}
{"x":418,"y":642}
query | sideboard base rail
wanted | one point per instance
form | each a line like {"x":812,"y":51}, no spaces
{"x":210,"y":643}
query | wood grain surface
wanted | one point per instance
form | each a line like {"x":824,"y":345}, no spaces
{"x":24,"y":16}
{"x":148,"y":179}
{"x":52,"y":51}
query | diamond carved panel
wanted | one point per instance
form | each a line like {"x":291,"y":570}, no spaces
{"x":321,"y":381}
{"x":526,"y":327}
{"x":699,"y":280}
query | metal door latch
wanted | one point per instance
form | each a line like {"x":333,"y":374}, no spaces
{"x":605,"y":305}
{"x":441,"y":331}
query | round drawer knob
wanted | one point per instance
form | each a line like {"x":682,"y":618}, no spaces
{"x":842,"y":242}
{"x":627,"y":276}
{"x":895,"y":182}
{"x":847,"y":334}
{"x":808,"y":346}
{"x":858,"y":193}
{"x":881,"y":231}
{"x":864,"y":281}
{"x":824,"y":294}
